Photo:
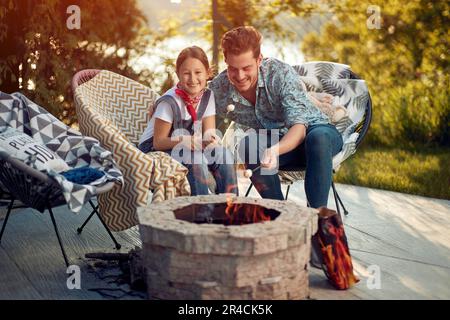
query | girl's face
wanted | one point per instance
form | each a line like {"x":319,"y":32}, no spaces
{"x":192,"y":75}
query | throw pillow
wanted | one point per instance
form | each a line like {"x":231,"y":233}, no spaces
{"x":23,"y":147}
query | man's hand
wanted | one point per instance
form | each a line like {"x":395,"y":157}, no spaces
{"x":270,"y":158}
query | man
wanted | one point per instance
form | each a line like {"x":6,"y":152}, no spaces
{"x":268,"y":94}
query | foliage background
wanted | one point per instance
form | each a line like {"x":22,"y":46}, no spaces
{"x":39,"y":54}
{"x":405,"y":63}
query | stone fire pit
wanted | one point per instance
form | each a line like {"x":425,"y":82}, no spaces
{"x":189,"y":253}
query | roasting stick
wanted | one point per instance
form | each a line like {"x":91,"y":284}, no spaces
{"x":249,"y":172}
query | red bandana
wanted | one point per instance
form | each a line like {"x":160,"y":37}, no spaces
{"x":190,"y":102}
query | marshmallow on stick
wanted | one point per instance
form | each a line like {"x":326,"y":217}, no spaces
{"x":230,"y":108}
{"x":249,"y":172}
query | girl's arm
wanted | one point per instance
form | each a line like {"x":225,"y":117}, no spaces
{"x":209,"y":125}
{"x":161,"y":139}
{"x":209,"y":130}
{"x":163,"y":142}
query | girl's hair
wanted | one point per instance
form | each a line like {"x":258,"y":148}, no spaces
{"x":193,"y":52}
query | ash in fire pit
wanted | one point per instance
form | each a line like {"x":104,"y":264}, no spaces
{"x":226,"y":247}
{"x":226,"y":214}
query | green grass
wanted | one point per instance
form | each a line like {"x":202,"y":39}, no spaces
{"x":421,"y":171}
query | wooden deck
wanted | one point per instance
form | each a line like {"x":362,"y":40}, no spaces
{"x":405,"y":237}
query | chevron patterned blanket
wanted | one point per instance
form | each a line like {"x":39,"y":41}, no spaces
{"x":18,"y":112}
{"x":115,"y":110}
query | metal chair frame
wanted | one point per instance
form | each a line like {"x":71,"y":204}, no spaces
{"x":36,"y":190}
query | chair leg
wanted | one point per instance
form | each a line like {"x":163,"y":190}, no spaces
{"x":336,"y":200}
{"x":80,"y":229}
{"x":248,"y":190}
{"x":342,"y":204}
{"x":57,"y":235}
{"x":118,"y":245}
{"x":10,"y":206}
{"x":287,"y":192}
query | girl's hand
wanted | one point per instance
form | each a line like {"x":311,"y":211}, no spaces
{"x":191,"y":142}
{"x":211,"y":141}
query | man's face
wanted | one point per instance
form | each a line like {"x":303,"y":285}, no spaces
{"x":243,"y":71}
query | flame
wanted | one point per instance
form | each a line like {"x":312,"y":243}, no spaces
{"x":241,"y":213}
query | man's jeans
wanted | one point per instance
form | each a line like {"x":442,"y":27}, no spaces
{"x":218,"y":160}
{"x":321,"y":143}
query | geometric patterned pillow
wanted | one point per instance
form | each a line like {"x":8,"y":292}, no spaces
{"x":23,"y":147}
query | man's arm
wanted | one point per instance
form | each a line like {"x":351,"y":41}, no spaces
{"x":296,"y":107}
{"x":291,"y":140}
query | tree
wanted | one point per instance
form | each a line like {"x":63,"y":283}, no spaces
{"x":40,"y":54}
{"x":405,"y":63}
{"x":267,"y":16}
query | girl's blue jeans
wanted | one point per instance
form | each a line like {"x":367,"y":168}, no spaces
{"x":217,"y":160}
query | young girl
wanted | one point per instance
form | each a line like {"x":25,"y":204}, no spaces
{"x":183,"y":124}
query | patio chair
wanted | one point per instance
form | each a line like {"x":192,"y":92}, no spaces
{"x":351,"y":91}
{"x":38,"y":191}
{"x":45,"y":189}
{"x":115,"y":110}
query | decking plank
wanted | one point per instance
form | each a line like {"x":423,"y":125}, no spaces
{"x":406,"y":236}
{"x":10,"y":276}
{"x":32,"y":245}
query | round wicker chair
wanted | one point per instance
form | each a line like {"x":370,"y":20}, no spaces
{"x":335,"y":79}
{"x":37,"y":190}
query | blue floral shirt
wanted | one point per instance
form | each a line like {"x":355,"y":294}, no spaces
{"x":281,"y":101}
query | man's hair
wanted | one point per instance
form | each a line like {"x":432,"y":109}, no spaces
{"x":192,"y":52}
{"x":240,"y":40}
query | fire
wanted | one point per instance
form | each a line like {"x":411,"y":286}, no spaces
{"x":242,"y":213}
{"x":229,"y":196}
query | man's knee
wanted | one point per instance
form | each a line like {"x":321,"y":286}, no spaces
{"x":318,"y":141}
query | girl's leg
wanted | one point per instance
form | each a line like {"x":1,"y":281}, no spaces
{"x":198,"y":173}
{"x":223,"y":169}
